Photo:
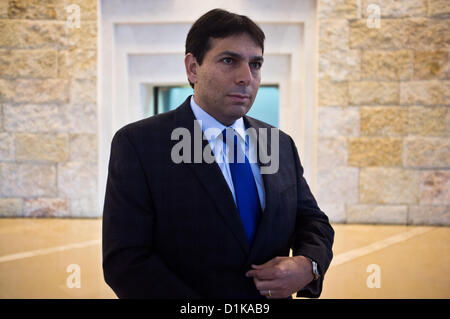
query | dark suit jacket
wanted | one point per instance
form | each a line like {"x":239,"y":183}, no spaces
{"x":173,"y":230}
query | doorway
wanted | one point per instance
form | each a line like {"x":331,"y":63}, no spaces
{"x":142,"y":48}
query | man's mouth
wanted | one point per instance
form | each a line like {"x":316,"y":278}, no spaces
{"x":238,"y":97}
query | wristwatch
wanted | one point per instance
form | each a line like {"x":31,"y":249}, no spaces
{"x":315,"y":269}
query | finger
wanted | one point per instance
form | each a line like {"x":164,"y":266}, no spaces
{"x":266,"y":284}
{"x":270,"y":294}
{"x":262,"y":274}
{"x":270,"y":263}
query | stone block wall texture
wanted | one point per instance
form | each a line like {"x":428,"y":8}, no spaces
{"x":48,"y":109}
{"x":384,"y":111}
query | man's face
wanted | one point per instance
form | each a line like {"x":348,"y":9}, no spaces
{"x":227,"y":81}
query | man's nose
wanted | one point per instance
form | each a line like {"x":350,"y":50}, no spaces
{"x":244,"y":75}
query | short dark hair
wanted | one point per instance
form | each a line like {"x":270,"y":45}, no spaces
{"x":219,"y":23}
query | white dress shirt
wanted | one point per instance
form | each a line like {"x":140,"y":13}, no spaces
{"x":220,"y":151}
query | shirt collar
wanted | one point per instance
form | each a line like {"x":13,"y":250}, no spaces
{"x":209,"y":122}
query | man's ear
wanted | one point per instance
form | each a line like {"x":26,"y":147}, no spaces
{"x":191,"y":65}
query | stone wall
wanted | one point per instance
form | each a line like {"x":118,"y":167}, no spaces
{"x":384,"y":119}
{"x":48,"y":109}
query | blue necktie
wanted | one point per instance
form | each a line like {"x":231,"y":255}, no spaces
{"x":245,"y":190}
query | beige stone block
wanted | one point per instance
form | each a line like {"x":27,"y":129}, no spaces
{"x":384,"y":121}
{"x":426,"y":152}
{"x":396,"y":8}
{"x":422,"y":92}
{"x":373,"y":93}
{"x":340,"y":65}
{"x":45,"y":207}
{"x":427,"y":121}
{"x":333,"y":93}
{"x":85,"y":207}
{"x":395,"y":34}
{"x":427,"y":34}
{"x":6,"y":146}
{"x":83,"y":91}
{"x":332,"y":152}
{"x":10,"y":207}
{"x":333,"y":35}
{"x":32,"y":118}
{"x":388,"y":185}
{"x":387,"y":65}
{"x":10,"y":31}
{"x":42,"y":91}
{"x":83,"y":148}
{"x":446,"y":89}
{"x":44,"y":35}
{"x":7,"y":89}
{"x":338,"y":121}
{"x":447,"y":123}
{"x":337,"y":9}
{"x":390,"y":35}
{"x":28,"y":34}
{"x":77,"y":64}
{"x":34,"y":91}
{"x":62,"y":69}
{"x":79,"y":118}
{"x":42,"y":147}
{"x":429,"y":215}
{"x":338,"y":185}
{"x":88,"y":9}
{"x":27,"y":63}
{"x":77,"y":180}
{"x":25,"y":180}
{"x":84,"y":37}
{"x":439,"y":8}
{"x":334,"y":212}
{"x":377,"y":214}
{"x":4,"y":9}
{"x":375,"y":151}
{"x":431,"y":65}
{"x":435,"y":187}
{"x":32,"y":9}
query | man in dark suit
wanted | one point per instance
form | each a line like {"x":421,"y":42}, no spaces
{"x":222,"y":228}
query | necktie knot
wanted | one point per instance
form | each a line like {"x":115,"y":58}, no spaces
{"x":235,"y":153}
{"x":229,"y":135}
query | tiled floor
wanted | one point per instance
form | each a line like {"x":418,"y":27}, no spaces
{"x":403,"y":261}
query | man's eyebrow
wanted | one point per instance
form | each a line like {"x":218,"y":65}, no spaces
{"x":235,"y":55}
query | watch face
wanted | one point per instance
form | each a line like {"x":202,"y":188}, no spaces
{"x":315,"y":271}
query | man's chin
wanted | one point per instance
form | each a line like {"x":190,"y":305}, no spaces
{"x":239,"y":108}
{"x":234,"y":112}
{"x":239,"y":112}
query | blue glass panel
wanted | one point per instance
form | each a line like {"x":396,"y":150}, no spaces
{"x":171,"y":97}
{"x":266,"y":105}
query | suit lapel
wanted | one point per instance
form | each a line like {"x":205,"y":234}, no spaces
{"x":212,"y":179}
{"x":272,"y":191}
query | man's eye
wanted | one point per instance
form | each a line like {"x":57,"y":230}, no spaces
{"x":256,"y":65}
{"x":227,"y":60}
